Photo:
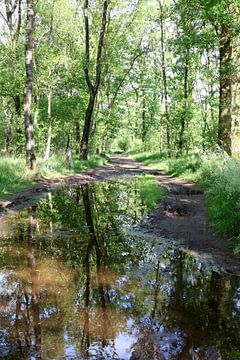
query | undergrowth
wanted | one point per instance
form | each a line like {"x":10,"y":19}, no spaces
{"x":219,"y":175}
{"x":14,"y":176}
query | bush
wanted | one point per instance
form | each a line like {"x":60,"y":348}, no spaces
{"x":124,"y":144}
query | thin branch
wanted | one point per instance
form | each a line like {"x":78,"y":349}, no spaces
{"x":100,"y":44}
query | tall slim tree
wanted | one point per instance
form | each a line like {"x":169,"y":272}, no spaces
{"x":164,"y":73}
{"x":30,"y":148}
{"x":224,"y":16}
{"x":227,"y":77}
{"x":93,"y":87}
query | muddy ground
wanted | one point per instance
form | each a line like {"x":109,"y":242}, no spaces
{"x":180,"y":217}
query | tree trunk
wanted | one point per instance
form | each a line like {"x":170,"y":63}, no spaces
{"x":225,"y":103}
{"x":30,"y":151}
{"x":144,"y":125}
{"x":87,"y":128}
{"x":34,"y":284}
{"x":164,"y":79}
{"x":77,"y":138}
{"x":236,"y":99}
{"x":184,"y":114}
{"x":8,"y":132}
{"x":92,"y":87}
{"x":69,"y":152}
{"x":13,"y":20}
{"x":17,"y":102}
{"x":49,"y":138}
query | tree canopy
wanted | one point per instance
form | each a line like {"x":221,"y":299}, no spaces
{"x":107,"y":75}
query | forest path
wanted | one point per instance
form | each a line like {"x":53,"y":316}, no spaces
{"x":181,"y":216}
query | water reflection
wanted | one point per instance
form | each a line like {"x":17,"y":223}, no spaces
{"x":74,"y":285}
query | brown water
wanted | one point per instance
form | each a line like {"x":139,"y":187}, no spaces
{"x":75,"y":285}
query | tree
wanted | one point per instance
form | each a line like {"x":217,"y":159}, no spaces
{"x":224,"y":17}
{"x":93,"y":87}
{"x":30,"y":150}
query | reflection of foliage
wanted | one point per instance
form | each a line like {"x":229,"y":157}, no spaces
{"x":189,"y":296}
{"x":92,"y":280}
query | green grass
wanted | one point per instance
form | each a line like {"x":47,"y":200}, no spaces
{"x":14,"y":176}
{"x":219,"y":175}
{"x":150,"y":191}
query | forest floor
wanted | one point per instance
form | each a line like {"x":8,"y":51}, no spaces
{"x":181,"y":216}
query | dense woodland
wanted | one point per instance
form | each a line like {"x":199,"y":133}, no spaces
{"x":89,"y":77}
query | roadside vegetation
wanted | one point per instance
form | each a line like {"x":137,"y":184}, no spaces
{"x":219,"y":175}
{"x":85,"y":78}
{"x":15,"y":176}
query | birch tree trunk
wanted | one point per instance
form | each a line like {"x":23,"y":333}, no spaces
{"x":29,"y":131}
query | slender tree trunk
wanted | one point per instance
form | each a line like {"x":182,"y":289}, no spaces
{"x":14,"y":22}
{"x":184,"y":115}
{"x":144,"y":125}
{"x":78,"y":138}
{"x":34,"y":284}
{"x":8,"y":132}
{"x":49,"y":138}
{"x":205,"y":112}
{"x":236,"y":99}
{"x":30,"y":150}
{"x":17,"y":103}
{"x":164,"y":79}
{"x":87,"y":128}
{"x":69,"y":151}
{"x":225,"y":104}
{"x":93,"y":87}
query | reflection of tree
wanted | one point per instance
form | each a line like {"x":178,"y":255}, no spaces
{"x":156,"y":291}
{"x":93,"y":244}
{"x":178,"y":295}
{"x":34,"y":284}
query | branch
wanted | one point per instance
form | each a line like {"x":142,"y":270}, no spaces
{"x":124,"y":77}
{"x":100,"y":44}
{"x":19,"y":21}
{"x":3,"y":17}
{"x":87,"y":48}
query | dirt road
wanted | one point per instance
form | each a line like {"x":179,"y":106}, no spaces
{"x":181,"y":216}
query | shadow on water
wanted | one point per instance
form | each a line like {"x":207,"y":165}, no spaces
{"x":75,"y":285}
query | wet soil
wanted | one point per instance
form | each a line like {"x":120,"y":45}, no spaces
{"x":181,"y":216}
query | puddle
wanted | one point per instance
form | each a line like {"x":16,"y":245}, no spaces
{"x":75,"y":285}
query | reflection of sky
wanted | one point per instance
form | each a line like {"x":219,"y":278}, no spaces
{"x":123,"y":344}
{"x":120,"y":348}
